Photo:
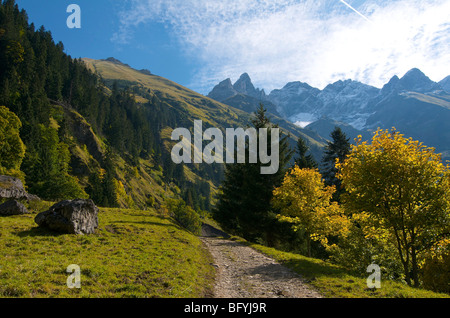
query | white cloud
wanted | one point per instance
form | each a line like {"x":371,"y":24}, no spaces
{"x":318,"y":42}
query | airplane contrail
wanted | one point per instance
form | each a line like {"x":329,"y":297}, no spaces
{"x":359,"y":13}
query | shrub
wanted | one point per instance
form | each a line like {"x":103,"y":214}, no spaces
{"x":185,"y":215}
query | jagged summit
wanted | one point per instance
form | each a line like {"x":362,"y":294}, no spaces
{"x":347,"y":101}
{"x":245,"y":77}
{"x":416,"y":80}
{"x":413,"y":81}
{"x":300,"y":86}
{"x":244,"y":85}
{"x":225,"y":89}
{"x":390,"y":86}
{"x":222,"y":91}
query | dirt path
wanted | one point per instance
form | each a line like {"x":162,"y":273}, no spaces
{"x":243,"y":272}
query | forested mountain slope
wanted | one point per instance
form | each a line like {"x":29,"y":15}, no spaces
{"x":193,"y":105}
{"x":100,"y":129}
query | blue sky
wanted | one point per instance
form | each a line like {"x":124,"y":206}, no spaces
{"x":151,"y":48}
{"x":198,"y":43}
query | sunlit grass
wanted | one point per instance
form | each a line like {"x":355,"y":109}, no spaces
{"x":133,"y":254}
{"x":333,"y":281}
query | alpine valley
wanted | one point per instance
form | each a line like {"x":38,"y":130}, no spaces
{"x":101,"y":129}
{"x":78,"y":132}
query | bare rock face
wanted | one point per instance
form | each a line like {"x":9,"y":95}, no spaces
{"x":223,"y":91}
{"x":71,"y":217}
{"x":12,"y":188}
{"x":12,"y":208}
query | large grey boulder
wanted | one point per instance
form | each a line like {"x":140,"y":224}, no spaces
{"x":12,"y":208}
{"x":71,"y":217}
{"x":12,"y":188}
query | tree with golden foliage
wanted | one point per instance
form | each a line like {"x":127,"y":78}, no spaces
{"x":12,"y":149}
{"x":304,"y":200}
{"x":403,"y":188}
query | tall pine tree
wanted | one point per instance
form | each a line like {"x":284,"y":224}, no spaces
{"x":244,"y":205}
{"x":338,"y":147}
{"x":303,"y":160}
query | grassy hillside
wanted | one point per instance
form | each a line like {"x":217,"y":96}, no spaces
{"x":134,"y":253}
{"x":193,"y":105}
{"x":138,"y":186}
{"x":184,"y":106}
{"x":196,"y":105}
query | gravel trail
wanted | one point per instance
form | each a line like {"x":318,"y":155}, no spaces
{"x":243,"y":272}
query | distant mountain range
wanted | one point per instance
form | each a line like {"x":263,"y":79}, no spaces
{"x":415,"y":105}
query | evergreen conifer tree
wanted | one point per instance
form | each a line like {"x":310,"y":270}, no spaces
{"x":304,"y":161}
{"x":338,"y":148}
{"x":244,"y":205}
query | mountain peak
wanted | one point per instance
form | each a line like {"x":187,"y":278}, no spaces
{"x":244,"y":85}
{"x":226,"y":82}
{"x":415,"y":74}
{"x":245,"y":77}
{"x":222,"y":91}
{"x":415,"y":80}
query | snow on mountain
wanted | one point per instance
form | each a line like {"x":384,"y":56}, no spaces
{"x":347,"y":101}
{"x":417,"y":106}
{"x":295,"y":98}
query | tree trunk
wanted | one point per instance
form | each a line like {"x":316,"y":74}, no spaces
{"x":308,"y":244}
{"x":415,"y":268}
{"x":405,"y":262}
{"x":270,"y":239}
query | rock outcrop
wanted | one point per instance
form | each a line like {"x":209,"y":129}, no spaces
{"x":12,"y":188}
{"x":223,"y":91}
{"x":12,"y":208}
{"x":71,"y":217}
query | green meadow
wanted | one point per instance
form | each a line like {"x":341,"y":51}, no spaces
{"x":133,"y":254}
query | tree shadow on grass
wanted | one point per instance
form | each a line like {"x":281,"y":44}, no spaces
{"x":312,"y":270}
{"x":145,"y":223}
{"x":38,"y":231}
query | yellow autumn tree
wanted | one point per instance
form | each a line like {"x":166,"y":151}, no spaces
{"x":304,"y":200}
{"x":12,"y":149}
{"x":402,"y":188}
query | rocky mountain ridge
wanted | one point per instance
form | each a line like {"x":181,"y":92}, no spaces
{"x":413,"y":103}
{"x":243,"y":85}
